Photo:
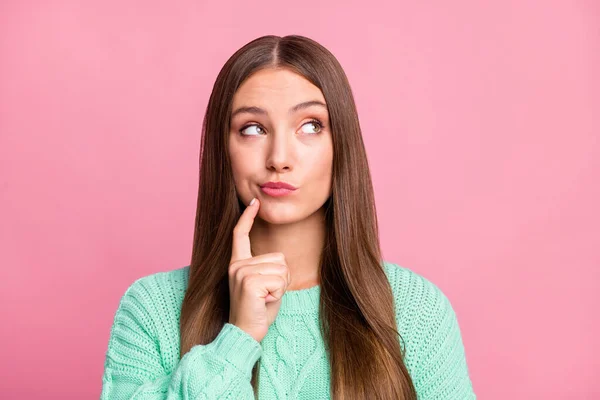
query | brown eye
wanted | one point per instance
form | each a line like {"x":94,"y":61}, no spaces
{"x":258,"y":130}
{"x":313,"y":127}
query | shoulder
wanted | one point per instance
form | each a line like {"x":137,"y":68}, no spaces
{"x":154,"y":297}
{"x":146,"y":322}
{"x":423,"y":311}
{"x":164,"y":283}
{"x":421,"y":306}
{"x":430,"y":334}
{"x":412,"y":289}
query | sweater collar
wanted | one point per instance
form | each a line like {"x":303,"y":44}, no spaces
{"x":303,"y":301}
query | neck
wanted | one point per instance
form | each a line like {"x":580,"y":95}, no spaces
{"x":301,"y":242}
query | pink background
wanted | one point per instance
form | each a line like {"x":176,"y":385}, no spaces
{"x":482,"y":127}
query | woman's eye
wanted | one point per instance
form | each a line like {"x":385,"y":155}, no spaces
{"x":312,"y":125}
{"x":248,"y":128}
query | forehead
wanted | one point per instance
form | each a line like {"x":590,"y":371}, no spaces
{"x":276,"y":87}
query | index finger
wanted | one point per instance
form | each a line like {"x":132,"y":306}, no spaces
{"x":241,"y":232}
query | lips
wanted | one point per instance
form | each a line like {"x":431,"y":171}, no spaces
{"x":278,"y":185}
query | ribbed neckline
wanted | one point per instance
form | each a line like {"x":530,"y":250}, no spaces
{"x":303,"y":301}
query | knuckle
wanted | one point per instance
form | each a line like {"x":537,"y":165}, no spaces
{"x":233,"y":266}
{"x":247,"y":280}
{"x":281,"y":268}
{"x":231,"y":271}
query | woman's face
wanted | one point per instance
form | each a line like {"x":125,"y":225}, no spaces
{"x":279,"y":132}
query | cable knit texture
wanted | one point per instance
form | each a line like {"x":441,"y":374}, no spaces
{"x":142,"y":360}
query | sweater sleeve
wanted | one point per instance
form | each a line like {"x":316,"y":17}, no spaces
{"x":441,"y":370}
{"x":133,"y":368}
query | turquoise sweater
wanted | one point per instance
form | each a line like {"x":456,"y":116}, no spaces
{"x":142,"y":360}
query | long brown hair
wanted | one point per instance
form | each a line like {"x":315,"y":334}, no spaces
{"x":356,"y":304}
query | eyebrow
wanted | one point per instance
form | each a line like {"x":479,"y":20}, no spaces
{"x":296,"y":108}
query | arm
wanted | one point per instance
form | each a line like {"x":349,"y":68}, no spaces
{"x":133,"y":368}
{"x":441,"y":371}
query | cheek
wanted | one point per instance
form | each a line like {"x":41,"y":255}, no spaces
{"x":244,"y":167}
{"x":237,"y":168}
{"x":239,"y":163}
{"x":322,"y":168}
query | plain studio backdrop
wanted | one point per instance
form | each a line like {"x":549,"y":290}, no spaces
{"x":481,"y":122}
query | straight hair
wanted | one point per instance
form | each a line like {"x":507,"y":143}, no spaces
{"x":356,"y":303}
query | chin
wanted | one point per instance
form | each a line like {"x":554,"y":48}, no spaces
{"x":280,"y":214}
{"x":279,"y":218}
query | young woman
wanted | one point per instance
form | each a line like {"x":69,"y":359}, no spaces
{"x":286,"y":296}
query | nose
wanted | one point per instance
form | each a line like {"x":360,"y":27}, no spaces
{"x":281,"y":151}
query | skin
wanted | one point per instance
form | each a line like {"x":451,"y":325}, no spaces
{"x":283,"y":146}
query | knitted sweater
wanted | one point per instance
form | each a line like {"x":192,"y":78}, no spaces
{"x":142,"y":360}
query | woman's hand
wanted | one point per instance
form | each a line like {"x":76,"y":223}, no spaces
{"x":256,"y":284}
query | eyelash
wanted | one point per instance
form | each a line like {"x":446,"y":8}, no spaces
{"x":313,"y":120}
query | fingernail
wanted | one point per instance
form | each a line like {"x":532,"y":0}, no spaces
{"x":252,"y":201}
